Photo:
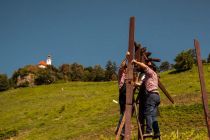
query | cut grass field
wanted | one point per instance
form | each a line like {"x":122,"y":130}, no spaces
{"x":85,"y":110}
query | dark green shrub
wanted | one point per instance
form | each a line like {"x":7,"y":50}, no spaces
{"x":184,"y":61}
{"x":44,"y":77}
{"x":4,"y":82}
{"x":164,"y":66}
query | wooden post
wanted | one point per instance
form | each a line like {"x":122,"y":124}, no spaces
{"x":202,"y":84}
{"x":129,"y":81}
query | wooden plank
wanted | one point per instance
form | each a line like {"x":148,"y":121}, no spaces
{"x":165,"y":91}
{"x":139,"y":124}
{"x":120,"y":128}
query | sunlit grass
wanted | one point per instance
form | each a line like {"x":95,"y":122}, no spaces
{"x":185,"y":82}
{"x":59,"y":111}
{"x":84,"y":110}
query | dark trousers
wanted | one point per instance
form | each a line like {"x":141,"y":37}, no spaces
{"x":150,"y":112}
{"x":122,"y":102}
{"x":122,"y":98}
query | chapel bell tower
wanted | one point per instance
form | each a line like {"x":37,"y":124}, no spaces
{"x":49,"y":60}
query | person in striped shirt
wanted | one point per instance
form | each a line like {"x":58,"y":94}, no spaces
{"x":152,"y":98}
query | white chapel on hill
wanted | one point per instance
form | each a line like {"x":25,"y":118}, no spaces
{"x":44,"y":64}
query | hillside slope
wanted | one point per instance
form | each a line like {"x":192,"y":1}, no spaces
{"x":84,"y":110}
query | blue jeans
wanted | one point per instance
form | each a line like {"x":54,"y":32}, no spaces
{"x":150,"y":112}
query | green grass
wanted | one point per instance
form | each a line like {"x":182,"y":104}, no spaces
{"x":84,"y":110}
{"x":185,"y":82}
{"x":48,"y":112}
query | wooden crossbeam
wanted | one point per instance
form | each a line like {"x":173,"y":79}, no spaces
{"x":161,"y":86}
{"x":137,"y":119}
{"x":120,"y":128}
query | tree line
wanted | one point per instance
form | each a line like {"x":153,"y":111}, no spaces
{"x":31,"y":75}
{"x":183,"y":61}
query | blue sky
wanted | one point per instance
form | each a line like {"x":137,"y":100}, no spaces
{"x":92,"y":32}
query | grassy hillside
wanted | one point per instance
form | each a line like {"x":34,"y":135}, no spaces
{"x":84,"y":110}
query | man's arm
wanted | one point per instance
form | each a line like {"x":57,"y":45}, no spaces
{"x":141,"y":65}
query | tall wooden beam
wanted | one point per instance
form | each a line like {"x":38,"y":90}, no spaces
{"x":202,"y":84}
{"x":129,"y":80}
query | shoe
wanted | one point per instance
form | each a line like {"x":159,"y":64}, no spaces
{"x":156,"y":136}
{"x":147,"y":134}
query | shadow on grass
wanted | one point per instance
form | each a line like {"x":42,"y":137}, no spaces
{"x":6,"y":134}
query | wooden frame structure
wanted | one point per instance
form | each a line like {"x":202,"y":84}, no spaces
{"x":140,"y":54}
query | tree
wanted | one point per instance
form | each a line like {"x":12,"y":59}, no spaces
{"x":110,"y":72}
{"x":4,"y":82}
{"x":192,"y":52}
{"x":164,"y":66}
{"x":88,"y":74}
{"x":18,"y":78}
{"x":54,"y":73}
{"x":65,"y":70}
{"x":184,"y":61}
{"x":99,"y":73}
{"x":44,"y":77}
{"x":31,"y":75}
{"x":208,"y":59}
{"x":76,"y":72}
{"x":172,"y":66}
{"x":204,"y":61}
